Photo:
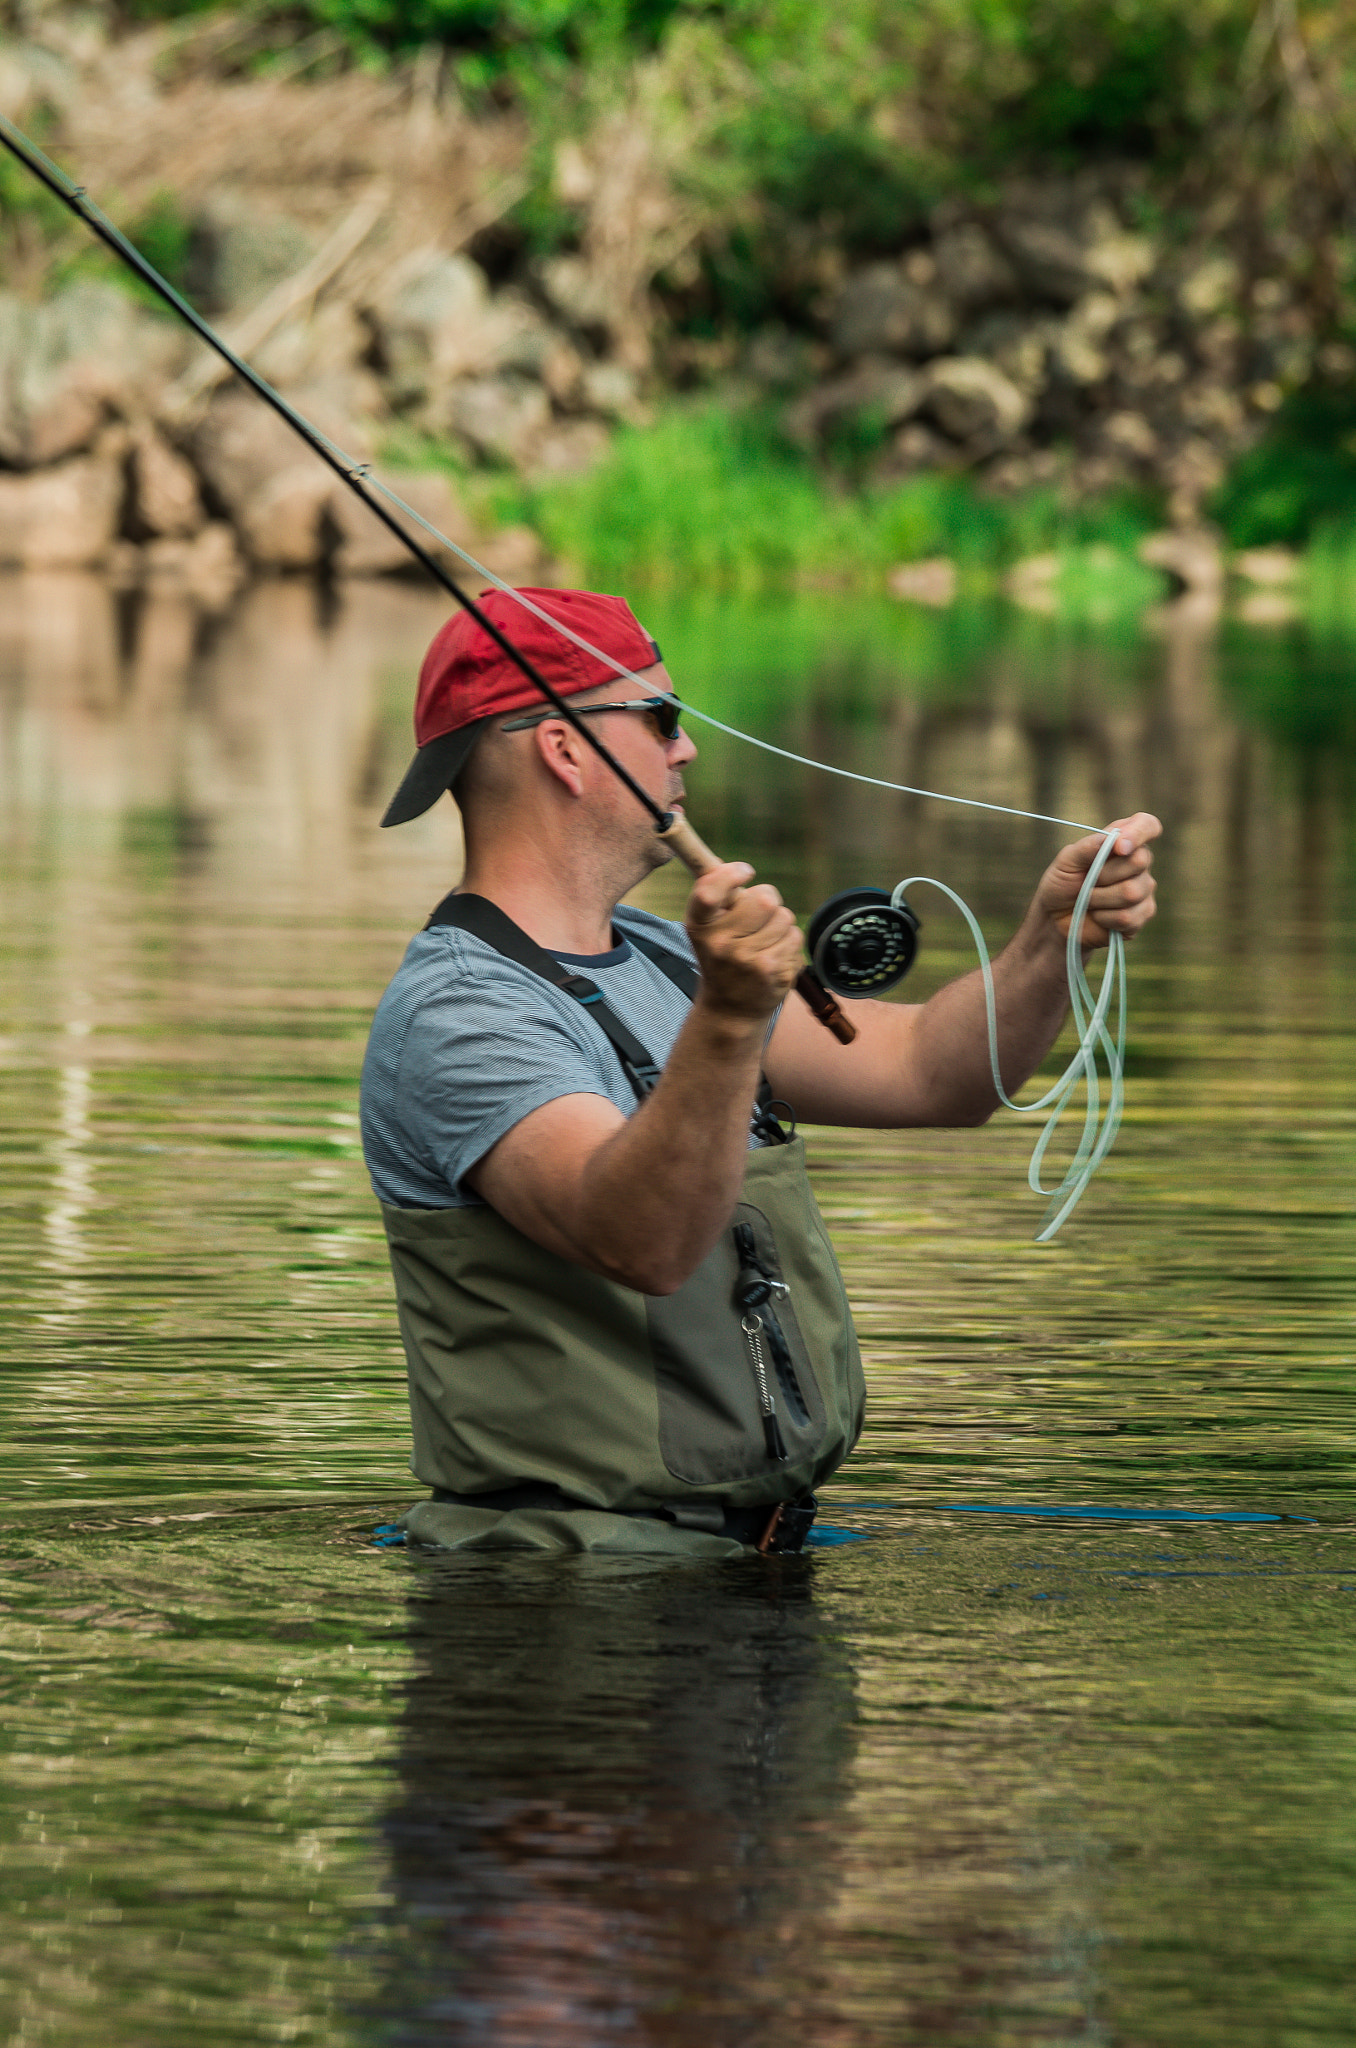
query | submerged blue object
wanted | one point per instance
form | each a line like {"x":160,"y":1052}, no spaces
{"x":824,"y":1539}
{"x":387,"y":1536}
{"x":1095,"y":1514}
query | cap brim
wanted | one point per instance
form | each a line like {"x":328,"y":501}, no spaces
{"x":434,"y":768}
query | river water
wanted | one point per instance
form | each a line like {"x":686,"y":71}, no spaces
{"x":979,"y":1779}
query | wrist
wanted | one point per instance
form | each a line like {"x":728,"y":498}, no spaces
{"x":732,"y":1032}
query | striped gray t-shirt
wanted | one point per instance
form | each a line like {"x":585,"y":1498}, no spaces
{"x":465,"y":1044}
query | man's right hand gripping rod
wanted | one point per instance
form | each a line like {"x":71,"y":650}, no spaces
{"x":696,"y":855}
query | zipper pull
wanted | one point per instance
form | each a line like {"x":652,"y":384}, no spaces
{"x":752,"y":1327}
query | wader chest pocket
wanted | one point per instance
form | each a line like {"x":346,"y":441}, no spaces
{"x":738,"y":1396}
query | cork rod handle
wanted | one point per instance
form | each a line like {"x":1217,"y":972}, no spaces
{"x":695,"y":854}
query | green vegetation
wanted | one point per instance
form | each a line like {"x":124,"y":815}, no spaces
{"x":712,"y":497}
{"x":1300,"y":479}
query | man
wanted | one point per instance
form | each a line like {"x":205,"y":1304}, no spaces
{"x":624,"y":1323}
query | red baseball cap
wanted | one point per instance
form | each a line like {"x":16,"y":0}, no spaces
{"x":467,"y":680}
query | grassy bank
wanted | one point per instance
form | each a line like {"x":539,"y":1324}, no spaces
{"x":712,"y":497}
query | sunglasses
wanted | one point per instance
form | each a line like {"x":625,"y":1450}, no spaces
{"x":663,"y":710}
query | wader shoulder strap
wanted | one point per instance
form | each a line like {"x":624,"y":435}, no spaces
{"x":486,"y":921}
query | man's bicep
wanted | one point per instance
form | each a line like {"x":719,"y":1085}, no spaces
{"x":534,"y":1174}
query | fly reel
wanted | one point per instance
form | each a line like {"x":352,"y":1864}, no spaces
{"x":861,"y":943}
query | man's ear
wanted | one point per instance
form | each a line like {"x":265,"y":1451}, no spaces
{"x":561,"y":752}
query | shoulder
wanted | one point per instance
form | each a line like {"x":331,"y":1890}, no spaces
{"x":451,"y":983}
{"x":659,"y":931}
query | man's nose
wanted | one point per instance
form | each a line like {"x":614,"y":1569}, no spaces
{"x":682,"y":748}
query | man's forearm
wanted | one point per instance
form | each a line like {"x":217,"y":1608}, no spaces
{"x":951,"y":1037}
{"x":659,"y":1192}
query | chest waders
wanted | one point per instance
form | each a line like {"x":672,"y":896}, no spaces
{"x":553,"y":1409}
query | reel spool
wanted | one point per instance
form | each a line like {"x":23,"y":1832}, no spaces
{"x":861,"y":943}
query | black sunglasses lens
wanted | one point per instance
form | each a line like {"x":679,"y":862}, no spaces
{"x":666,"y":717}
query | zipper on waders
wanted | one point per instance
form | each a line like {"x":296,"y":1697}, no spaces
{"x":752,"y":1326}
{"x":753,"y":1287}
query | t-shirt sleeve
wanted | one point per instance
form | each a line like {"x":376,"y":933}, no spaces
{"x":480,"y":1053}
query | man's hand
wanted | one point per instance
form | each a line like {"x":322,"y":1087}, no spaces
{"x":748,"y":944}
{"x":1123,"y":900}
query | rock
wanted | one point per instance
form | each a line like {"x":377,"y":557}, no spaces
{"x":916,"y":448}
{"x":67,"y":363}
{"x":576,"y":293}
{"x":515,"y":553}
{"x":1062,"y":250}
{"x":974,"y":402}
{"x":1193,"y":557}
{"x":973,"y":271}
{"x":1130,"y":434}
{"x":503,"y":418}
{"x":239,"y":251}
{"x":1191,"y":472}
{"x":164,"y":490}
{"x":877,"y":388}
{"x":779,"y":360}
{"x":569,"y":447}
{"x":257,"y":473}
{"x":65,"y":517}
{"x":1209,"y":287}
{"x":1079,"y":353}
{"x":1020,"y":346}
{"x":367,"y":548}
{"x":1271,"y":567}
{"x":612,"y":390}
{"x":432,"y":328}
{"x":1033,"y":583}
{"x":931,"y":582}
{"x":330,"y":341}
{"x":880,"y":310}
{"x":287,"y":523}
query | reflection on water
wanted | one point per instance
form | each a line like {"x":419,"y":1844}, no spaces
{"x":956,"y":1784}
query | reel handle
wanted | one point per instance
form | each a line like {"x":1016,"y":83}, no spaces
{"x":693,"y":851}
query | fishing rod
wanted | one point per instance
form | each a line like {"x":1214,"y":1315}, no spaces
{"x":670,"y":825}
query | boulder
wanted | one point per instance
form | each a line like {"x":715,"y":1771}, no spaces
{"x":915,"y":448}
{"x":432,"y":327}
{"x":975,"y":403}
{"x":1034,"y":583}
{"x":932,"y":582}
{"x":1209,"y":286}
{"x":165,"y":502}
{"x":569,"y":447}
{"x":238,"y":251}
{"x":1193,"y":557}
{"x":516,"y":554}
{"x":65,"y":517}
{"x":1020,"y":346}
{"x":881,"y":310}
{"x":503,"y":418}
{"x":1060,"y":250}
{"x":876,"y":387}
{"x":287,"y":524}
{"x":367,"y":548}
{"x":574,"y":290}
{"x":69,"y":362}
{"x":257,"y":473}
{"x":1273,"y":568}
{"x":972,"y":269}
{"x":612,"y":390}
